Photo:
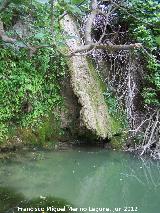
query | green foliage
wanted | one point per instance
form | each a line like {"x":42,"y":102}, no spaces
{"x":158,"y":40}
{"x":144,"y":27}
{"x":15,"y":7}
{"x":74,"y":7}
{"x":30,"y":86}
{"x":118,"y":117}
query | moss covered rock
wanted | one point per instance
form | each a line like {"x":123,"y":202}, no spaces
{"x":85,"y":82}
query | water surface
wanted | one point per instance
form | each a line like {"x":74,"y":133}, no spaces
{"x":94,"y":177}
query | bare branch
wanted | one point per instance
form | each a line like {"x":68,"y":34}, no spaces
{"x":151,"y":133}
{"x":88,"y":29}
{"x":107,"y":17}
{"x":109,"y":46}
{"x":62,"y":16}
{"x":91,"y":17}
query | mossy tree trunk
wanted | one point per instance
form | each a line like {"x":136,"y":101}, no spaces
{"x":86,"y":85}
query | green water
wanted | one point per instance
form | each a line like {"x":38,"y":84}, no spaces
{"x":95,"y":178}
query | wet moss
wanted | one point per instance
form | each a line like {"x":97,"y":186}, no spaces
{"x":45,"y":135}
{"x":116,"y":125}
{"x":116,"y":121}
{"x":98,"y":94}
{"x":96,"y":76}
{"x":117,"y":142}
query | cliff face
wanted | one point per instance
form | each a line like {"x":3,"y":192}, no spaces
{"x":86,"y":86}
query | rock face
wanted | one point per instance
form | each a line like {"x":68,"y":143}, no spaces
{"x":86,"y":85}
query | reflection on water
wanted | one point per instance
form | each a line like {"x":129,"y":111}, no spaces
{"x":85,"y":178}
{"x":13,"y":202}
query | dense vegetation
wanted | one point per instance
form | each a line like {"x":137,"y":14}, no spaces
{"x":145,"y":29}
{"x":143,"y":25}
{"x":32,"y":66}
{"x":29,"y":88}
